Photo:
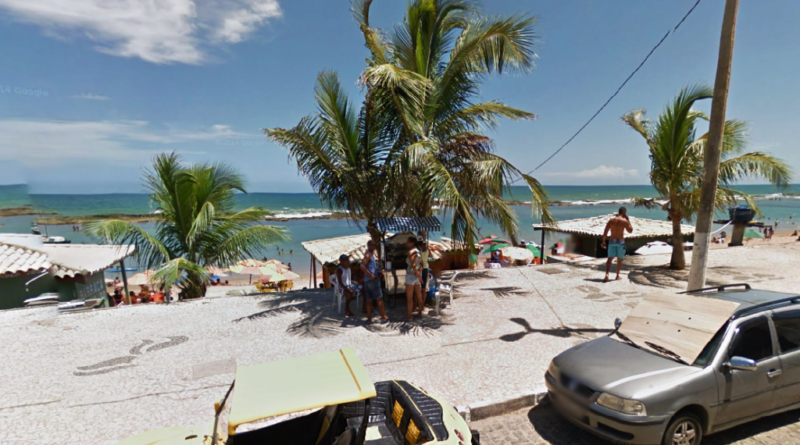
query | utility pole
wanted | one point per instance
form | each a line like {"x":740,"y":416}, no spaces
{"x":705,"y":216}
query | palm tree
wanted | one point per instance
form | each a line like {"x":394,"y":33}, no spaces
{"x":196,"y":224}
{"x":345,"y":154}
{"x":676,"y":156}
{"x":447,"y":49}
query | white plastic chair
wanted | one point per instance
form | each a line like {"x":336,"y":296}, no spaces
{"x":338,"y":294}
{"x":445,"y":286}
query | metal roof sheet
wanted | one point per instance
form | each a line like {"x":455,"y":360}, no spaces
{"x":642,"y":227}
{"x":409,"y":224}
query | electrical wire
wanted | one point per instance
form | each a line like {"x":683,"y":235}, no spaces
{"x":616,"y":92}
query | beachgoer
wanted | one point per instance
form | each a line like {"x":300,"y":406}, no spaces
{"x":226,"y":283}
{"x":116,"y":281}
{"x":425,"y":254}
{"x":289,"y":266}
{"x":616,"y":244}
{"x":413,"y":279}
{"x":776,"y":222}
{"x":372,"y":283}
{"x":495,"y":258}
{"x":291,"y":252}
{"x":344,"y":277}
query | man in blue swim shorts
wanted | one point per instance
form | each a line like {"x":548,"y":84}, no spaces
{"x":616,"y":244}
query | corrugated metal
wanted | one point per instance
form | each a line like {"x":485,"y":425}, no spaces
{"x":16,"y":260}
{"x":642,"y":227}
{"x":409,"y":224}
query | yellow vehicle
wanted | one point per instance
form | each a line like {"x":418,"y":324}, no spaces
{"x":336,"y":386}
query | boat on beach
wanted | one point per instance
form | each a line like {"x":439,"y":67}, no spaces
{"x":56,"y":240}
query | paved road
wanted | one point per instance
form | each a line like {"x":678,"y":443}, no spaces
{"x":541,"y":425}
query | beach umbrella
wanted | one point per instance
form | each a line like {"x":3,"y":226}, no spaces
{"x":291,"y":275}
{"x":252,"y":270}
{"x":516,"y":253}
{"x":276,"y":278}
{"x":493,"y":240}
{"x":537,"y":253}
{"x":249,"y":262}
{"x":750,"y":233}
{"x":216,"y":272}
{"x":494,"y":247}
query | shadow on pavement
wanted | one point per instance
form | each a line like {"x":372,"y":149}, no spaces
{"x":319,"y":318}
{"x":563,"y":332}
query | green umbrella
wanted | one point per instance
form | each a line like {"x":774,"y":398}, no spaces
{"x":536,"y":252}
{"x":750,"y":233}
{"x":494,"y":247}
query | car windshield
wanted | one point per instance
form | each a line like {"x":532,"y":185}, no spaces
{"x":651,"y":348}
{"x":708,"y":353}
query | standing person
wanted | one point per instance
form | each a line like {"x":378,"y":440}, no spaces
{"x":616,"y":244}
{"x":372,"y":283}
{"x":413,"y":279}
{"x":424,"y":254}
{"x":344,"y":277}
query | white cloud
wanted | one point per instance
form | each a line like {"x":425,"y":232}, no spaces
{"x":600,"y":172}
{"x":163,"y":31}
{"x":90,"y":96}
{"x":45,"y":144}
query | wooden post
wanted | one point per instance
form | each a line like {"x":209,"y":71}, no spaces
{"x":124,"y":282}
{"x":314,"y":271}
{"x":713,"y":149}
{"x":541,"y":251}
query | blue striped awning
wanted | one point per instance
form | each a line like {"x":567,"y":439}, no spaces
{"x":412,"y":224}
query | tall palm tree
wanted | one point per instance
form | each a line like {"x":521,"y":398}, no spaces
{"x":196,"y":225}
{"x":676,"y":156}
{"x":345,"y":153}
{"x":449,"y":49}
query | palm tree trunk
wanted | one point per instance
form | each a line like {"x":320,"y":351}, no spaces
{"x":374,"y":233}
{"x":678,"y":261}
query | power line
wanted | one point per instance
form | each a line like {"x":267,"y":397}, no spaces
{"x":616,"y":92}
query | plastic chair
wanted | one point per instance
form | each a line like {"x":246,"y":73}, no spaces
{"x":337,"y":293}
{"x":445,"y":286}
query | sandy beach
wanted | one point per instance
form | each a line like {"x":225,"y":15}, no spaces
{"x":151,"y":366}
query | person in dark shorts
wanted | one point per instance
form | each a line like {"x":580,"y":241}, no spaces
{"x":372,"y":282}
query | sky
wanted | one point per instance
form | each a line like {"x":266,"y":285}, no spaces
{"x":90,"y":90}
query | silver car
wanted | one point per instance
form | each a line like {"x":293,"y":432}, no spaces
{"x":624,"y":392}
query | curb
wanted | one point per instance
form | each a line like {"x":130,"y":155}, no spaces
{"x":486,"y":409}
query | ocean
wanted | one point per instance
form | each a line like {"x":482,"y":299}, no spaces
{"x":586,"y":201}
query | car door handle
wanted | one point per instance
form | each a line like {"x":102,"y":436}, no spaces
{"x":774,"y":373}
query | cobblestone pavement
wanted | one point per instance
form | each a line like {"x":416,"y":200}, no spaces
{"x":542,"y":425}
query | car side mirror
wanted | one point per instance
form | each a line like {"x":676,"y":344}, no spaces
{"x":617,"y":323}
{"x":742,"y":364}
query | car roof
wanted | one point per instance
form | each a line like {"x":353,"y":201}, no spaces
{"x":297,"y":384}
{"x":750,"y":300}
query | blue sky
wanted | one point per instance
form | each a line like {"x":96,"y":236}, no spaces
{"x":88,"y":92}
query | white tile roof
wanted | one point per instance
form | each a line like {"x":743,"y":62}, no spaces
{"x":15,"y":260}
{"x":27,"y":253}
{"x":642,"y":227}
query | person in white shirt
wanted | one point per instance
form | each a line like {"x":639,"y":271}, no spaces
{"x":344,"y":277}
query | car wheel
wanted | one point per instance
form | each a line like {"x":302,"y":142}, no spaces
{"x":685,"y":429}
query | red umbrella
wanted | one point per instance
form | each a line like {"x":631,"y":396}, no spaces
{"x":493,"y":240}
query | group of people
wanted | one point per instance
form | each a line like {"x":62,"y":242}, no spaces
{"x":143,"y":297}
{"x":76,"y":228}
{"x":218,"y":282}
{"x":368,"y":280}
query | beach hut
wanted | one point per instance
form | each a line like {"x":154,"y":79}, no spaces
{"x":585,"y":234}
{"x":30,"y":267}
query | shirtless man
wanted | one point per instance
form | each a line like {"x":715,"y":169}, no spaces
{"x":616,"y":244}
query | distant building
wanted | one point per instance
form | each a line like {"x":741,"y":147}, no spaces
{"x":29,"y":268}
{"x":587,"y":233}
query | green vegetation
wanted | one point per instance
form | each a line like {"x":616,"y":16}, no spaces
{"x":196,"y":225}
{"x":676,"y":156}
{"x":416,"y":140}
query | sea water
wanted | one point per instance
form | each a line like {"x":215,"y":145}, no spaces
{"x":584,"y":202}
